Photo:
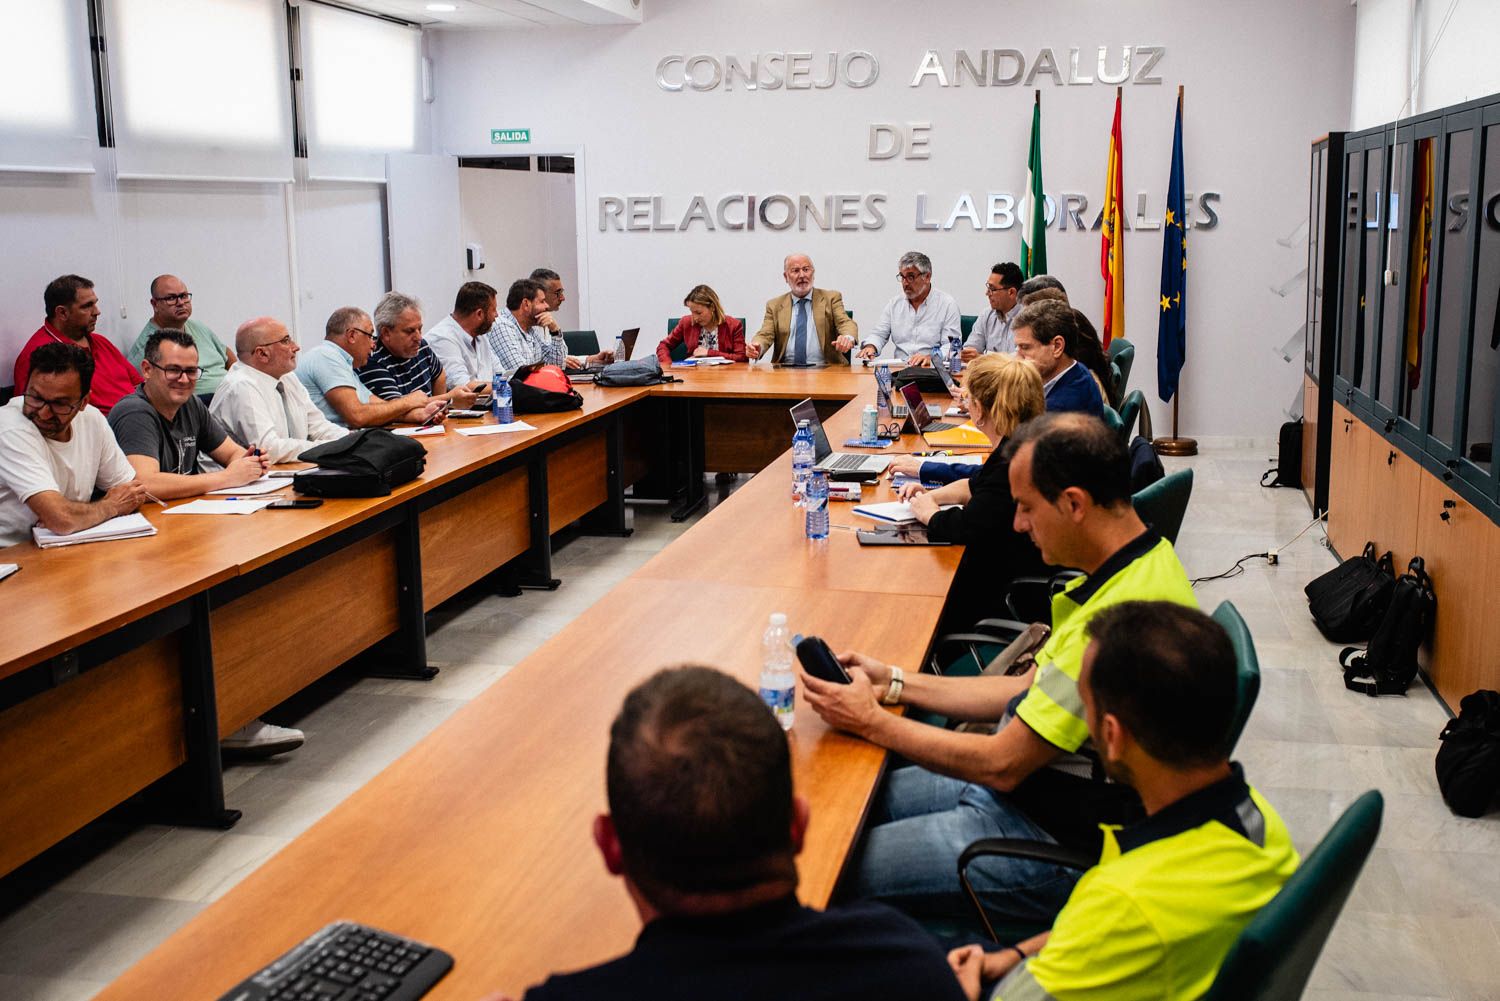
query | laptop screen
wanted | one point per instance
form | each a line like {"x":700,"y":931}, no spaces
{"x":806,"y":411}
{"x":629,"y":336}
{"x":918,"y":406}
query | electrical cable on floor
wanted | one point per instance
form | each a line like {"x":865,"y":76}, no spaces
{"x":1271,"y":556}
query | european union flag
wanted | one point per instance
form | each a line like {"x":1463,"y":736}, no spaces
{"x":1171,"y":324}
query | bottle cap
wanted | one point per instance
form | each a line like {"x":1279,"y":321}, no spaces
{"x":778,"y":618}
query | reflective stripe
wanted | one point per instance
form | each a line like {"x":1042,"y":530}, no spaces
{"x":1060,"y":688}
{"x":1253,"y":821}
{"x":1020,"y":985}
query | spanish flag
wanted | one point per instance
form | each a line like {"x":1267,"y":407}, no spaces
{"x":1111,"y":247}
{"x":1418,"y":266}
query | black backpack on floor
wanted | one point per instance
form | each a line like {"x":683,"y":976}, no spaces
{"x":1390,"y":661}
{"x":1468,"y":762}
{"x":1288,"y":471}
{"x":1348,"y":601}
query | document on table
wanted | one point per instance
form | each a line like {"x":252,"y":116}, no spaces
{"x":418,"y":432}
{"x":497,"y":428}
{"x":892,"y":512}
{"x":6,"y":569}
{"x":264,"y":485}
{"x":962,"y":459}
{"x":126,"y":526}
{"x":232,"y":505}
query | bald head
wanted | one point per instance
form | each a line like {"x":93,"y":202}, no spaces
{"x":171,"y":302}
{"x":266,"y":345}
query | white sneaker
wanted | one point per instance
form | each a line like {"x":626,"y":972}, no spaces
{"x":262,"y":740}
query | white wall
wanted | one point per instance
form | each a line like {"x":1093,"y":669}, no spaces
{"x":524,"y":220}
{"x":1263,"y":80}
{"x":231,"y":243}
{"x":1413,"y":56}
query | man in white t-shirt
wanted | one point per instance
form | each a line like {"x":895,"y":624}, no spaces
{"x":56,"y":451}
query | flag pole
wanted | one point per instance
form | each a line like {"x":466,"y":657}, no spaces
{"x":1176,"y":444}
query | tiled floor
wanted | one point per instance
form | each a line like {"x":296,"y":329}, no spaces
{"x":1424,"y":923}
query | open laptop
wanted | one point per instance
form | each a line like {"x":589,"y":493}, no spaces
{"x":825,"y":460}
{"x":919,"y":418}
{"x":587,"y":373}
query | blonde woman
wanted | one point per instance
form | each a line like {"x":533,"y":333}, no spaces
{"x":1001,"y":392}
{"x":705,"y":331}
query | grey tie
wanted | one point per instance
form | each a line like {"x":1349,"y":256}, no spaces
{"x":286,"y":408}
{"x":799,"y":334}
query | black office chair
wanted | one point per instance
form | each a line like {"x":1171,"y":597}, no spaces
{"x":581,"y":342}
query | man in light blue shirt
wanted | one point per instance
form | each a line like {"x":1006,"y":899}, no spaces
{"x":992,"y":333}
{"x":917,"y":322}
{"x":327,"y":370}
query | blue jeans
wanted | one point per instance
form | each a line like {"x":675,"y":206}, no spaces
{"x":923,"y":822}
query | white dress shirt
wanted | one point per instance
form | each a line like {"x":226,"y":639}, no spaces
{"x":919,"y":331}
{"x":992,"y":332}
{"x":465,"y":359}
{"x":277,"y":415}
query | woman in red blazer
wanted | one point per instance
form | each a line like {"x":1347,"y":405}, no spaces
{"x":705,"y":331}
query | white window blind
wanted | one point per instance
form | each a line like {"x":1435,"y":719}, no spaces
{"x":200,"y":88}
{"x":46,"y":89}
{"x":362,"y":81}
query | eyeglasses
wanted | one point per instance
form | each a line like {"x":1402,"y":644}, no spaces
{"x":175,"y":298}
{"x":276,"y":343}
{"x":175,"y":372}
{"x":62,"y":408}
{"x":910,"y":279}
{"x":368,"y":333}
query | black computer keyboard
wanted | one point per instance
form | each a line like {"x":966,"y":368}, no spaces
{"x":348,"y":962}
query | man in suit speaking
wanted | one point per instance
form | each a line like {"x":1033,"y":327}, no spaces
{"x":807,"y":326}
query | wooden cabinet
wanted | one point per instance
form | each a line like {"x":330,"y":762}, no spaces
{"x":1391,"y":498}
{"x":1460,"y":546}
{"x":1349,"y":474}
{"x":1310,"y":439}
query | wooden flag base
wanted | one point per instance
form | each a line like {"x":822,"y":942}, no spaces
{"x":1175,"y":446}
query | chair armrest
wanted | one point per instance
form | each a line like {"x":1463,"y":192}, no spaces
{"x":1035,"y":851}
{"x":948,"y":648}
{"x":1003,"y":630}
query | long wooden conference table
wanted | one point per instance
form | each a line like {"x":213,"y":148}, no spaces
{"x":478,"y":839}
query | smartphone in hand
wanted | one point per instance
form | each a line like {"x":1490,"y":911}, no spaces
{"x":818,"y":660}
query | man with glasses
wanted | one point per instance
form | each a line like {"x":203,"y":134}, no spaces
{"x":163,"y":427}
{"x":552,"y":289}
{"x":992,"y":332}
{"x":917,"y":321}
{"x":262,"y":402}
{"x":72,"y":312}
{"x":172,"y":307}
{"x":327,"y":370}
{"x":807,"y":325}
{"x":56,"y":452}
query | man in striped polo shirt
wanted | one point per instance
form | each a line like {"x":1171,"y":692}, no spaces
{"x":403,"y":362}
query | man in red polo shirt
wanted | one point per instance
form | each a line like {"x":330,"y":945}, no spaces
{"x":72,"y":312}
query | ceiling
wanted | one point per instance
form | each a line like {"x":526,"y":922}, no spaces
{"x":479,"y":13}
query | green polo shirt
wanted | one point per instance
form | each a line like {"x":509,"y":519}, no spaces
{"x":212,"y":353}
{"x":1156,"y":917}
{"x":1145,"y":569}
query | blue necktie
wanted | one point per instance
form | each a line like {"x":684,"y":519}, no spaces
{"x":799,"y":334}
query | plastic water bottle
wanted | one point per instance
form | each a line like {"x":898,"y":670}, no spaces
{"x":619,"y":348}
{"x":500,"y":400}
{"x":777,"y":682}
{"x":955,"y":355}
{"x":803,"y":450}
{"x":817,"y":507}
{"x":883,"y":388}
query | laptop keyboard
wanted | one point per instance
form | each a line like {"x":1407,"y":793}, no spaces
{"x":938,"y":426}
{"x":846,"y":460}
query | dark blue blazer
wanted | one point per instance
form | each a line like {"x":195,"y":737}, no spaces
{"x":1076,"y":390}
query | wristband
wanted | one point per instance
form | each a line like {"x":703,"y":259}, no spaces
{"x":893,"y":688}
{"x":1017,"y":950}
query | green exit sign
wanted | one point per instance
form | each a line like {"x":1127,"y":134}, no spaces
{"x":510,"y":135}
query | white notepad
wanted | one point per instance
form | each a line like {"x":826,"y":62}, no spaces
{"x":418,"y":432}
{"x":126,"y":526}
{"x":497,"y":428}
{"x":264,"y":485}
{"x":893,"y":512}
{"x":248,"y":506}
{"x":6,"y":569}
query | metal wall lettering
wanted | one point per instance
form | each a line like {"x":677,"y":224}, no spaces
{"x":739,"y":211}
{"x":768,"y":71}
{"x":1009,"y":67}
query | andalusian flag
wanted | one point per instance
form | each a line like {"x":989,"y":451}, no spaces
{"x":1111,"y":247}
{"x":1034,"y":219}
{"x":1171,"y":324}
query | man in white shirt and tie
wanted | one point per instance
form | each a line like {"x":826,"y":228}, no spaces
{"x":916,"y":322}
{"x":262,"y":401}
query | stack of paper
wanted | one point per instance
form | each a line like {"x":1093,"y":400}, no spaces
{"x":6,"y":569}
{"x":497,"y":428}
{"x":229,"y":505}
{"x":265,"y":485}
{"x":890,"y":512}
{"x":415,"y":432}
{"x":127,"y":526}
